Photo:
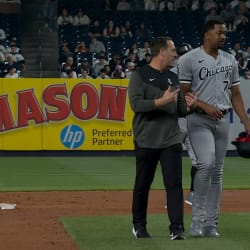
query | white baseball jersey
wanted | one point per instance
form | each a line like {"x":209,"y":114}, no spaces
{"x":211,"y":77}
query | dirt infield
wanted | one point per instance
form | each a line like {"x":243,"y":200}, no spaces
{"x":34,"y":224}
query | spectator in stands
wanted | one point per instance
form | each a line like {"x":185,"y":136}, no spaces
{"x":67,"y":71}
{"x":228,"y":16}
{"x":243,"y":26}
{"x":132,"y":48}
{"x":13,"y":43}
{"x":85,"y":74}
{"x":142,"y":32}
{"x":17,"y":58}
{"x":103,"y":74}
{"x":81,"y":48}
{"x":111,"y":30}
{"x":96,"y":46}
{"x":2,"y":35}
{"x":65,"y":18}
{"x":236,"y":51}
{"x":166,"y":5}
{"x":129,"y":69}
{"x":99,"y":65}
{"x":116,"y":60}
{"x":242,"y":64}
{"x":65,"y":53}
{"x":69,"y":62}
{"x":132,"y":57}
{"x":107,"y":69}
{"x":123,"y":5}
{"x":241,"y":20}
{"x":151,"y":5}
{"x":100,"y":55}
{"x":124,"y":33}
{"x":81,"y":18}
{"x":95,"y":29}
{"x":9,"y":62}
{"x":143,"y":51}
{"x":118,"y":73}
{"x":84,"y":63}
{"x":70,"y":73}
{"x":246,"y":53}
{"x":12,"y":73}
{"x":146,"y":60}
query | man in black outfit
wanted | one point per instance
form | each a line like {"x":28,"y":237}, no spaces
{"x":157,"y":103}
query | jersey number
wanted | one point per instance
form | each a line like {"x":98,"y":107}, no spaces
{"x":226,"y":85}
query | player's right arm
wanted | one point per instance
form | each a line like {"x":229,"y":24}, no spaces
{"x":209,"y":109}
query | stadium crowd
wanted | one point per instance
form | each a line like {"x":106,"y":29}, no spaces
{"x":111,"y":47}
{"x":90,"y":56}
{"x":12,"y":63}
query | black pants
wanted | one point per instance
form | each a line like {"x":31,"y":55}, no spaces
{"x":171,"y":164}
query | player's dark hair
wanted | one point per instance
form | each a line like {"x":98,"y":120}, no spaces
{"x":158,"y":43}
{"x":209,"y":25}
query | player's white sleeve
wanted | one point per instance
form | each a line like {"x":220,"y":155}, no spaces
{"x":184,"y":67}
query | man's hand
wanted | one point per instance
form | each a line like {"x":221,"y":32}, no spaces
{"x":168,"y":96}
{"x":191,"y":99}
{"x":213,"y":112}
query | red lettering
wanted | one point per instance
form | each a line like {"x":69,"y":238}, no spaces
{"x":90,"y":101}
{"x":29,"y":108}
{"x":6,"y":118}
{"x":60,"y":107}
{"x":113,"y":102}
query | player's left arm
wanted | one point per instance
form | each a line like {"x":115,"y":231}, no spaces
{"x":239,"y":107}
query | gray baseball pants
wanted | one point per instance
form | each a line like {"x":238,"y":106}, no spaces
{"x":209,"y":140}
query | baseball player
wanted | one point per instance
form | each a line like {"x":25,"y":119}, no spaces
{"x":213,"y":73}
{"x":181,"y":50}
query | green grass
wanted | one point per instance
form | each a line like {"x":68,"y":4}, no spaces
{"x":114,"y":232}
{"x":96,"y":173}
{"x":117,"y":173}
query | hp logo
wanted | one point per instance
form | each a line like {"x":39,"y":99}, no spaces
{"x":72,"y":136}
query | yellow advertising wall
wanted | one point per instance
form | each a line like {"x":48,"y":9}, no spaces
{"x":65,"y":114}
